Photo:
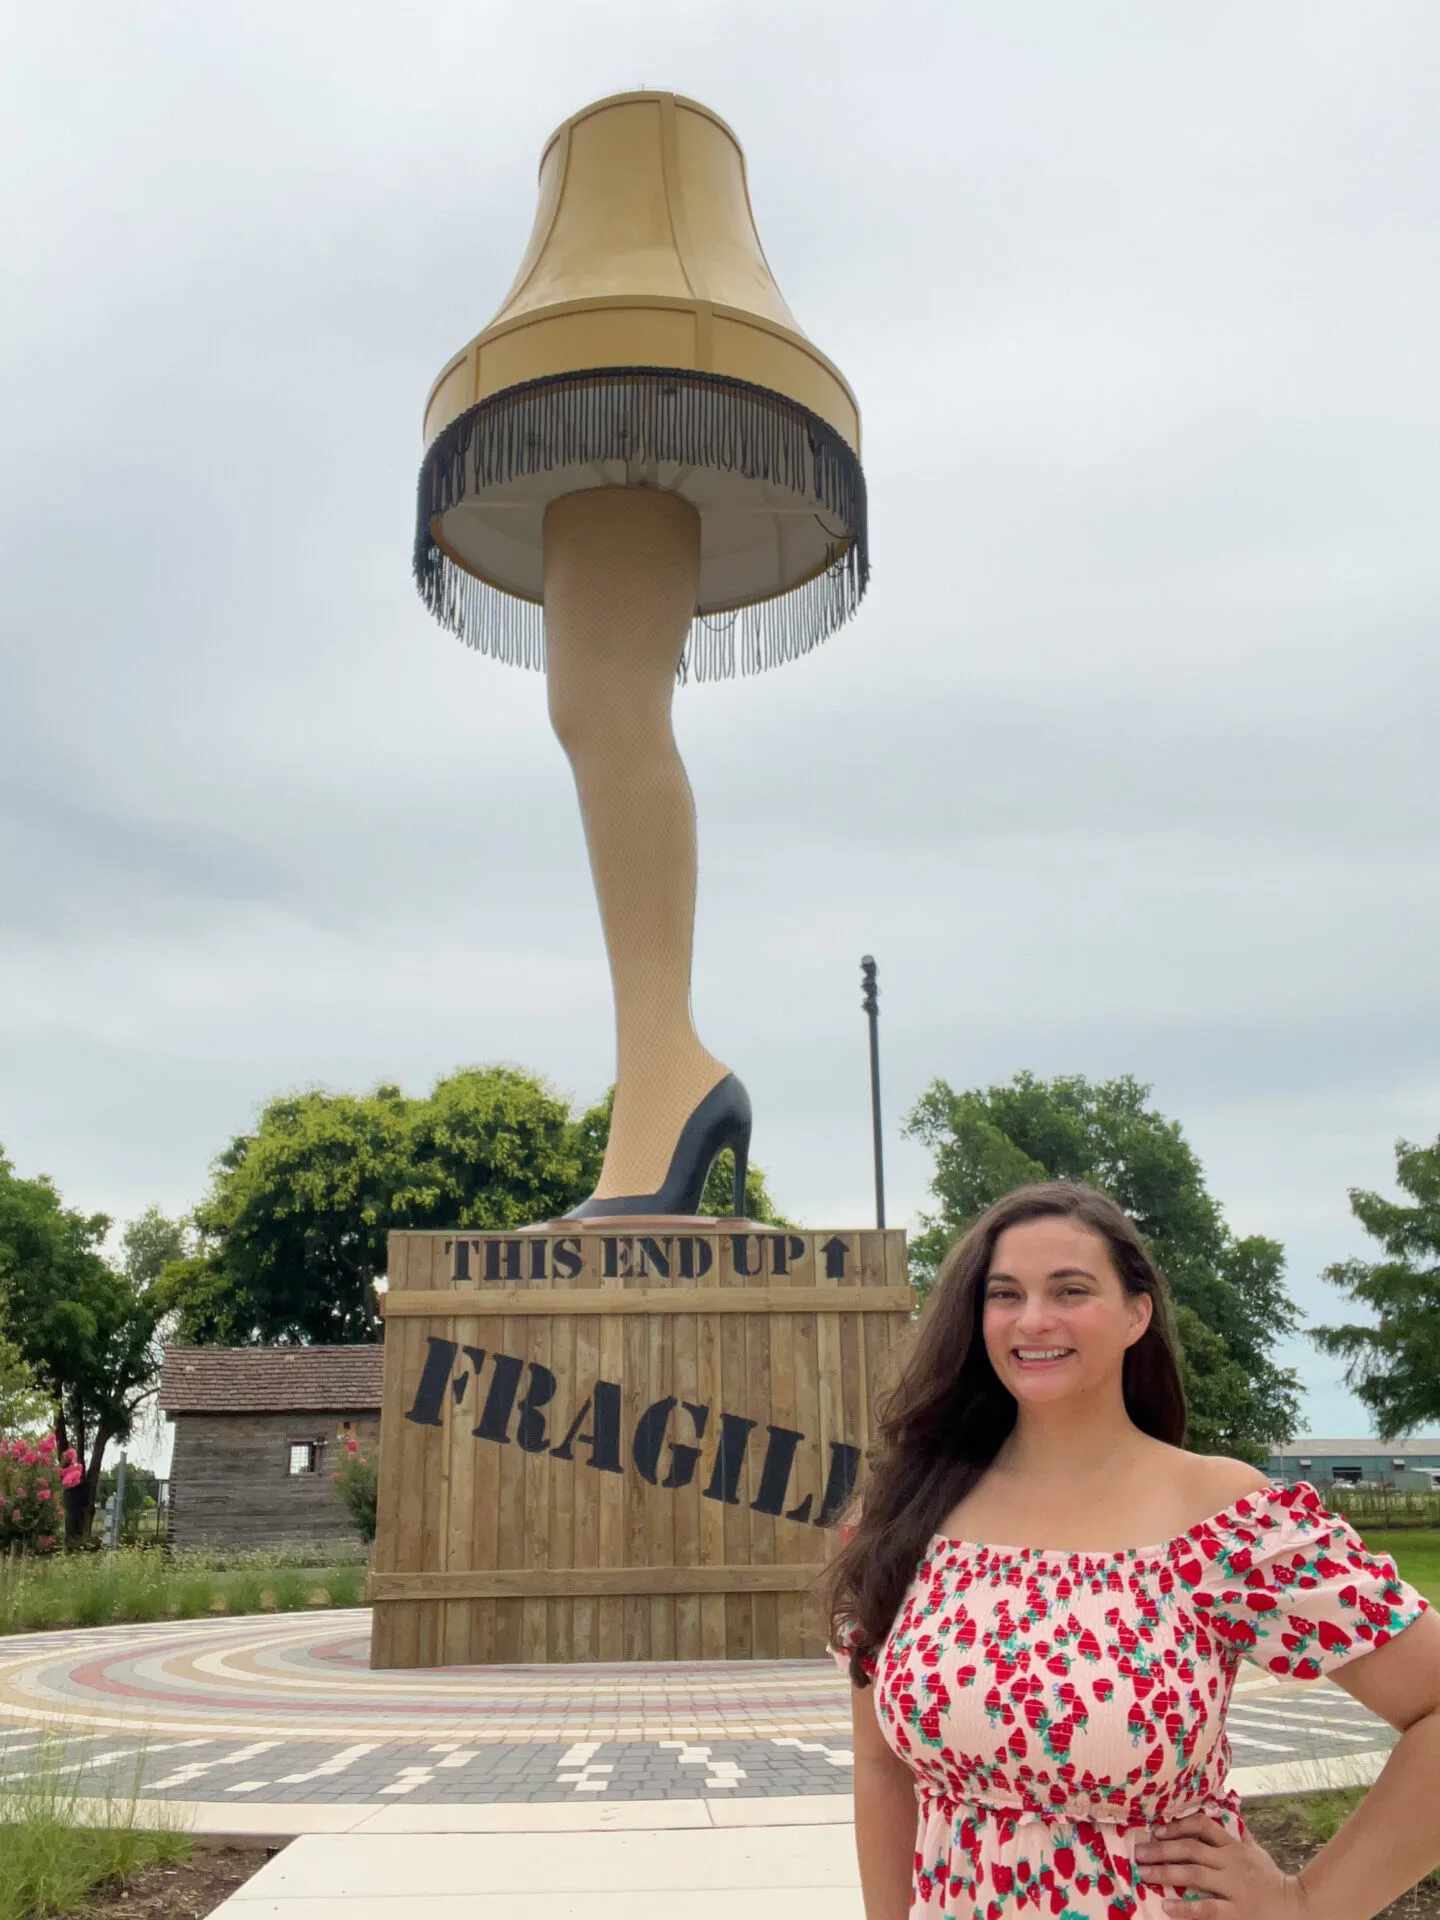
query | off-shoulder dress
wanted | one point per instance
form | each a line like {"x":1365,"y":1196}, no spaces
{"x":1055,"y":1706}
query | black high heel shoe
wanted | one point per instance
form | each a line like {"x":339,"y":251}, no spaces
{"x":721,"y":1120}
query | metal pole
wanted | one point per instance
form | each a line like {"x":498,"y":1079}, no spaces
{"x":117,"y":1509}
{"x":870,"y":1000}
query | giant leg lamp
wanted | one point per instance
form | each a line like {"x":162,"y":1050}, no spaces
{"x":642,"y":470}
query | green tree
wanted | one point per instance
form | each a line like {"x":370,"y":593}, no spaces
{"x":718,"y":1199}
{"x":1229,"y":1294}
{"x":149,"y":1244}
{"x":86,"y":1330}
{"x":1394,"y":1362}
{"x":23,"y":1408}
{"x":293,"y":1231}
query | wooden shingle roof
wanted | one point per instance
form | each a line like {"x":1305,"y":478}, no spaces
{"x":270,"y":1379}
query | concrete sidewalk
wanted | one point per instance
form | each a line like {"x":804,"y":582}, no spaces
{"x":787,"y":1858}
{"x":771,"y":1872}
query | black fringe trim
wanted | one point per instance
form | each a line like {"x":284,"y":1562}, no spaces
{"x":652,"y":414}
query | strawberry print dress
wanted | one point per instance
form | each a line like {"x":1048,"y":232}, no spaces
{"x":1055,"y":1706}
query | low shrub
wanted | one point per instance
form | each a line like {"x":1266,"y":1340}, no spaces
{"x":356,"y":1481}
{"x":98,"y":1589}
{"x":33,"y":1479}
{"x":61,"y":1841}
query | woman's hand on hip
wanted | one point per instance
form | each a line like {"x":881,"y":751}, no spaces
{"x":1234,"y":1877}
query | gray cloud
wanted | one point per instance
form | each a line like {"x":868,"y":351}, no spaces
{"x":1127,"y":765}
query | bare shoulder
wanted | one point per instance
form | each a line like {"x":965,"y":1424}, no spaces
{"x":1219,"y":1482}
{"x":1202,"y":1484}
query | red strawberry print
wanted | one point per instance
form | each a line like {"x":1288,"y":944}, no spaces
{"x":1090,"y":1664}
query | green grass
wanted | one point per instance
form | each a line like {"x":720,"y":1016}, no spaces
{"x":101,"y":1589}
{"x":1416,"y":1554}
{"x":58,"y":1843}
{"x":1322,"y":1815}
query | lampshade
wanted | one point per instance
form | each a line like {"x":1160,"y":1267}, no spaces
{"x":645,"y":343}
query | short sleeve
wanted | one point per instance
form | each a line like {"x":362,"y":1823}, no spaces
{"x":1290,"y":1585}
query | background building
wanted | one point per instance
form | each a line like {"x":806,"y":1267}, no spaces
{"x":1411,"y":1466}
{"x":258,"y":1432}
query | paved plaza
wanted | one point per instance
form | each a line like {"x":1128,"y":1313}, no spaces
{"x":283,"y":1710}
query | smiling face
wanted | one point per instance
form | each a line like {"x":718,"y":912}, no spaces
{"x":1057,"y":1320}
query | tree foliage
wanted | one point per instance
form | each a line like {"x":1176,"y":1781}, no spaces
{"x":85,"y":1330}
{"x":1394,"y":1361}
{"x":1229,"y":1294}
{"x":293,"y":1231}
{"x":23,"y":1408}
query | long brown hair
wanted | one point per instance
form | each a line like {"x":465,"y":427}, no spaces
{"x":948,"y":1415}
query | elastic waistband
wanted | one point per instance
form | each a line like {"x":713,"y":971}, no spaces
{"x":955,"y":1808}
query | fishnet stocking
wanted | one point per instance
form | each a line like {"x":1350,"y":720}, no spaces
{"x":621,"y":569}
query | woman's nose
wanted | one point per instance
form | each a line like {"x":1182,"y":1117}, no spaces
{"x":1035,"y":1317}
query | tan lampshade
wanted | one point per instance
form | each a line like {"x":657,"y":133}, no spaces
{"x":645,"y":343}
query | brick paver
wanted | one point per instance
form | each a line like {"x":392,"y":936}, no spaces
{"x":284,"y":1709}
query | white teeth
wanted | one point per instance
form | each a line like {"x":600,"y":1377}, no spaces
{"x":1041,"y":1353}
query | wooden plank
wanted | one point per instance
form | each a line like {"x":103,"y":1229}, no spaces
{"x":485,"y":1487}
{"x":807,"y":1421}
{"x":432,"y":1483}
{"x":518,"y":1583}
{"x":412,"y":1449}
{"x":734,"y":1394}
{"x":458,"y":1622}
{"x":537,"y":1477}
{"x":510,"y":1524}
{"x":712,"y":1520}
{"x":512,"y":1301}
{"x":758,"y":1329}
{"x":585,"y":1629}
{"x":791,"y":1547}
{"x":609,"y":1494}
{"x":562,"y":1504}
{"x":660,"y":1507}
{"x":634,"y":1338}
{"x":685,"y":1501}
{"x":392,"y":1416}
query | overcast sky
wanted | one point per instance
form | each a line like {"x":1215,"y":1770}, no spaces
{"x":1127,"y":764}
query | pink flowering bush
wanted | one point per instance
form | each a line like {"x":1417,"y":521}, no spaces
{"x":33,"y":1477}
{"x":355,"y":1482}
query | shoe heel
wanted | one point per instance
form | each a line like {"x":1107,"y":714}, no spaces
{"x":740,"y":1147}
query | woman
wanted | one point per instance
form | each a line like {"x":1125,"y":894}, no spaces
{"x":1054,"y":1707}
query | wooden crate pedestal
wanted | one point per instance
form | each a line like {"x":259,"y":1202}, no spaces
{"x":623,"y":1444}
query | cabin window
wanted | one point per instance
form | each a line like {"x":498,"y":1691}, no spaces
{"x":304,"y":1456}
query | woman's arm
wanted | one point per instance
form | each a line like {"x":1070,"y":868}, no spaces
{"x":1390,"y":1842}
{"x":885,"y":1815}
{"x":1393,"y":1837}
